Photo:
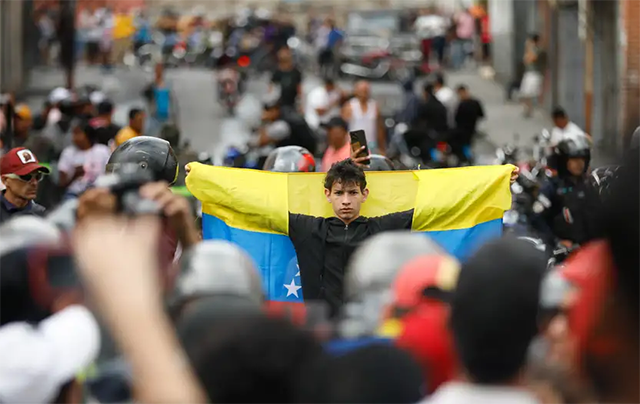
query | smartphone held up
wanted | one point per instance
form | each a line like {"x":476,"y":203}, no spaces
{"x":359,"y":140}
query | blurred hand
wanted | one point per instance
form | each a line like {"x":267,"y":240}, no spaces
{"x":359,"y":160}
{"x":515,"y":174}
{"x":118,"y":259}
{"x":96,"y":201}
{"x":176,"y":208}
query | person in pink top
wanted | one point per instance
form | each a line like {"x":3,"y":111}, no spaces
{"x":463,"y":44}
{"x":339,"y":147}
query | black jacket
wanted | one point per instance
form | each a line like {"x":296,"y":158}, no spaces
{"x":7,"y":210}
{"x":301,"y":135}
{"x":566,"y":209}
{"x":324,"y":246}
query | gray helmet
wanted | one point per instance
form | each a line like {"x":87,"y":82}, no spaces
{"x":370,"y":275}
{"x":217,"y":267}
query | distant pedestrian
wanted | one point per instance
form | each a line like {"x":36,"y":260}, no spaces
{"x":532,"y":81}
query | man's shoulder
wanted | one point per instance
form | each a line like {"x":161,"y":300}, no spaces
{"x":38,"y":209}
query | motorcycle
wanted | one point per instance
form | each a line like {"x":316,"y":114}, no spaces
{"x":377,"y":65}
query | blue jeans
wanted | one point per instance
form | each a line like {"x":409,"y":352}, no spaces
{"x":459,"y":52}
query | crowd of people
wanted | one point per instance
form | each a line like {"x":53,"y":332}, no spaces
{"x":114,"y":291}
{"x":392,"y":318}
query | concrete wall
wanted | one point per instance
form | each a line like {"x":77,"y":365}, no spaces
{"x":511,"y":22}
{"x":11,"y":46}
{"x":501,"y":20}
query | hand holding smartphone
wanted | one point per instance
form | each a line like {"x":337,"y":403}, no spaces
{"x":359,"y":145}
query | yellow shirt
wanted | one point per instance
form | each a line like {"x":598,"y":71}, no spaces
{"x":125,"y":134}
{"x":123,"y":26}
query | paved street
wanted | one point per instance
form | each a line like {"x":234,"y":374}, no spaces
{"x":204,"y":125}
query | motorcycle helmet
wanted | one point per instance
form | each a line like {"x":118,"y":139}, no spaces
{"x":149,"y":153}
{"x":217,"y":267}
{"x":572,"y":147}
{"x":370,"y":276}
{"x":380,"y":163}
{"x":290,"y":159}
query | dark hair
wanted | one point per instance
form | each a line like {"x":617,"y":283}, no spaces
{"x":535,"y":37}
{"x":439,"y":78}
{"x":105,"y":107}
{"x":329,"y":81}
{"x":86,"y":128}
{"x":461,"y":87}
{"x":428,"y":88}
{"x":345,"y":172}
{"x":492,"y":336}
{"x":239,"y":364}
{"x":558,"y":112}
{"x":133,"y":112}
{"x":377,"y":373}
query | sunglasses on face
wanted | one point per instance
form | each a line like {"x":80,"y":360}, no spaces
{"x":28,"y":177}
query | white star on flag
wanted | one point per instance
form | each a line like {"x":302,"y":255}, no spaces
{"x":292,"y":288}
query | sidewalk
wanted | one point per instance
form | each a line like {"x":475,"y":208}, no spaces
{"x":504,"y":121}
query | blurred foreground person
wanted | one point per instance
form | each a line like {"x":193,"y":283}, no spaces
{"x":605,"y":316}
{"x":46,"y":337}
{"x":369,"y":276}
{"x":21,"y":172}
{"x":492,"y":334}
{"x":254,"y":359}
{"x":134,"y":314}
{"x":418,"y":317}
{"x":377,"y":373}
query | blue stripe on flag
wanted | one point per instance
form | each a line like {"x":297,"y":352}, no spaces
{"x":276,"y":258}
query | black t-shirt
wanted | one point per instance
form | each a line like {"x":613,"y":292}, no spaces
{"x":288,"y":81}
{"x":467,"y":116}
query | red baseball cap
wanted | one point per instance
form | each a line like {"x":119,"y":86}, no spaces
{"x":20,"y":161}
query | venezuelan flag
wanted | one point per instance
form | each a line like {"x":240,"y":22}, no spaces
{"x":460,"y":208}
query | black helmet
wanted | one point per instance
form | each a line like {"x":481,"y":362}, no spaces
{"x":290,"y":159}
{"x":380,"y":163}
{"x":149,"y":153}
{"x":572,"y":147}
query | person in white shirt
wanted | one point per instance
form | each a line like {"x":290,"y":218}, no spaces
{"x":323,"y":103}
{"x":38,"y":361}
{"x":564,"y":128}
{"x":363,"y":113}
{"x":447,"y":97}
{"x":82,"y":162}
{"x":432,"y":28}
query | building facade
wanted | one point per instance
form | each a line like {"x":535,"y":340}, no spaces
{"x":593,"y":63}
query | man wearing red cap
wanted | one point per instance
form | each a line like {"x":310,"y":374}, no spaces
{"x":21,"y":172}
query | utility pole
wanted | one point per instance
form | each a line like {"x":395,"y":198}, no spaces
{"x":586,"y":34}
{"x":67,"y":35}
